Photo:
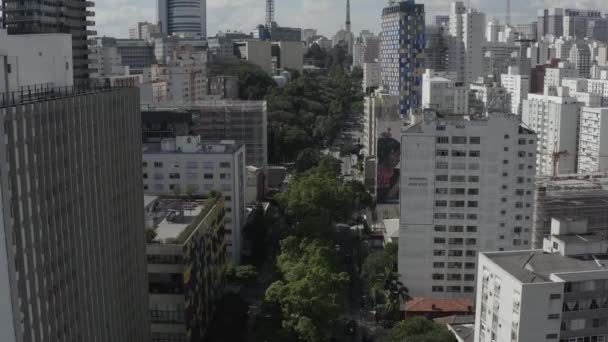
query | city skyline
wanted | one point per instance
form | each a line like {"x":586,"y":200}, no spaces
{"x":114,"y":17}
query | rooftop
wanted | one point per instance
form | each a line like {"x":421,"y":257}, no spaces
{"x":535,"y":266}
{"x":175,"y":218}
{"x":425,"y":304}
{"x":190,"y":144}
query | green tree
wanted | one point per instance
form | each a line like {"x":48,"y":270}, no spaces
{"x":309,"y":291}
{"x":420,"y":329}
{"x":242,"y":274}
{"x":151,"y":234}
{"x":307,"y":159}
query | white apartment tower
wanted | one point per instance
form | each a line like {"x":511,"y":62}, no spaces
{"x":554,"y":76}
{"x":467,"y":36}
{"x":593,"y":140}
{"x":186,"y":165}
{"x":517,"y":86}
{"x":555,"y":117}
{"x":467,"y":187}
{"x":554,"y":294}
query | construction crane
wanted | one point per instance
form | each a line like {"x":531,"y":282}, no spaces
{"x":557,"y":155}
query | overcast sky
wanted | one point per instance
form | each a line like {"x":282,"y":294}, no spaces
{"x":113,"y":17}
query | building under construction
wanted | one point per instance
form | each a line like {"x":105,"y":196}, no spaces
{"x":574,"y":196}
{"x":242,"y":121}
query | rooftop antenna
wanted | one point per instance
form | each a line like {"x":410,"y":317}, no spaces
{"x":269,"y":13}
{"x":508,"y":18}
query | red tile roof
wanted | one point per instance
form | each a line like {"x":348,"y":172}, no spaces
{"x":424,"y":304}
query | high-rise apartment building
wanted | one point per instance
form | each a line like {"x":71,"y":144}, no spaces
{"x":580,"y":56}
{"x":488,"y":96}
{"x":185,"y":164}
{"x":73,"y":251}
{"x":466,"y":187}
{"x":593,"y":140}
{"x":111,"y":54}
{"x":467,"y":37}
{"x":21,"y":17}
{"x":436,"y":50}
{"x":553,"y":294}
{"x":554,"y":76}
{"x":517,"y":85}
{"x":550,"y":21}
{"x":144,"y":30}
{"x":183,"y":17}
{"x":402,"y":46}
{"x":554,"y":115}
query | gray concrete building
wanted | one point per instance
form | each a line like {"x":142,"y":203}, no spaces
{"x":72,"y":248}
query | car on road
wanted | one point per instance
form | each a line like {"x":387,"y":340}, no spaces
{"x":350,"y":327}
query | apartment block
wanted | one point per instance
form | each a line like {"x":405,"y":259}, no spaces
{"x":467,"y":36}
{"x":72,"y":249}
{"x":593,"y":140}
{"x":554,"y":76}
{"x":466,"y":187}
{"x":186,"y":265}
{"x":186,"y":165}
{"x":580,"y":56}
{"x":371,"y":75}
{"x":555,"y":117}
{"x":553,"y":294}
{"x":443,"y":94}
{"x":487,"y":96}
{"x":136,"y":54}
{"x":517,"y":85}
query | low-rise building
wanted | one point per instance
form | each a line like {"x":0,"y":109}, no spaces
{"x":257,"y":52}
{"x":185,"y":165}
{"x":554,"y":294}
{"x":186,"y":260}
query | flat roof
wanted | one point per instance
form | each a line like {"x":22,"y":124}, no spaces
{"x":155,"y":148}
{"x":175,"y":215}
{"x":536,"y":266}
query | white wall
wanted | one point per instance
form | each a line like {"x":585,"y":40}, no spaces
{"x":7,"y":323}
{"x":36,"y":59}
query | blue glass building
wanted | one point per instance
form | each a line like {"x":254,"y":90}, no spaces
{"x":401,"y":54}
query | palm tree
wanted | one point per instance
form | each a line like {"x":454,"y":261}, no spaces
{"x":394,"y":292}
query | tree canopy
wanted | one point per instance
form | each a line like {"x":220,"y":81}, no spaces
{"x":420,"y":329}
{"x":309,"y":291}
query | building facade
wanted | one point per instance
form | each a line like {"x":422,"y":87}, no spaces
{"x":580,"y":56}
{"x":467,"y":37}
{"x":466,"y":187}
{"x":186,"y":266}
{"x":18,"y":17}
{"x":402,"y":46}
{"x":593,"y":140}
{"x":186,"y":165}
{"x":72,"y":217}
{"x":553,"y":294}
{"x":517,"y":85}
{"x":444,"y":95}
{"x":182,"y":17}
{"x":555,"y":117}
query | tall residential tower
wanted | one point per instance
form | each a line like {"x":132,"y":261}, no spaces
{"x":402,"y":47}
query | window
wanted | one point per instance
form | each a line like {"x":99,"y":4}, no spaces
{"x":158,"y":164}
{"x":471,"y":253}
{"x":439,"y":240}
{"x":145,"y":176}
{"x":553,"y":316}
{"x":208,"y":176}
{"x":454,"y":277}
{"x":441,"y":216}
{"x":439,"y":252}
{"x":457,"y":153}
{"x":440,"y":228}
{"x":459,"y":140}
{"x":474,"y":153}
{"x":442,"y":153}
{"x":455,"y":253}
{"x":506,"y":149}
{"x":456,"y":229}
{"x":457,"y":204}
{"x":521,"y":141}
{"x":506,"y":136}
{"x":456,"y":216}
{"x":441,"y":203}
{"x":469,"y":265}
{"x":443,"y":140}
{"x":441,"y":178}
{"x":455,"y":241}
{"x":469,"y":289}
{"x":457,"y":191}
{"x":505,"y":162}
{"x":473,"y":179}
{"x":437,"y":276}
{"x":471,"y":229}
{"x":551,"y":336}
{"x":225,"y":176}
{"x":437,"y":288}
{"x":174,"y":176}
{"x":144,"y":164}
{"x":225,"y":165}
{"x":471,"y":216}
{"x":472,"y":204}
{"x":458,"y":179}
{"x":453,"y":289}
{"x":438,"y":265}
{"x":441,"y":165}
{"x":474,"y":140}
{"x":469,"y":277}
{"x":555,"y":296}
